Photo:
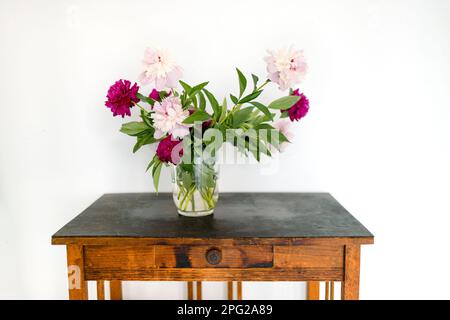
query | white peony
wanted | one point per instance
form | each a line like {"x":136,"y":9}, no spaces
{"x":160,"y":68}
{"x":286,"y":67}
{"x":168,"y":118}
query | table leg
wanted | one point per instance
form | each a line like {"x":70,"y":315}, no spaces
{"x":332,"y":291}
{"x":312,"y":290}
{"x":350,"y":285}
{"x":239,"y":290}
{"x":199,"y":290}
{"x":230,"y":290}
{"x":78,"y":289}
{"x":100,"y":290}
{"x":115,"y":289}
{"x":190,"y":286}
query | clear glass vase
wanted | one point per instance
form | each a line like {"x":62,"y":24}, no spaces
{"x":195,"y":187}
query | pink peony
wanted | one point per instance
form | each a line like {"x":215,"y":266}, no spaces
{"x":283,"y":125}
{"x":121,"y":97}
{"x":169,"y":150}
{"x":300,"y":108}
{"x":168,"y":118}
{"x":160,"y":69}
{"x":286,"y":67}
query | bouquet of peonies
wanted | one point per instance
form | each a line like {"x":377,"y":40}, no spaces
{"x":190,"y":125}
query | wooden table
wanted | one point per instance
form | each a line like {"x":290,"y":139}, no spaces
{"x":251,"y":237}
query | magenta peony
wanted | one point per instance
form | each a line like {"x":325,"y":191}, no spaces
{"x":121,"y":96}
{"x":170,"y":150}
{"x":155,"y":95}
{"x":300,"y":109}
{"x":206,"y":124}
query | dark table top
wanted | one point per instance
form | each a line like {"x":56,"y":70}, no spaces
{"x":237,"y":215}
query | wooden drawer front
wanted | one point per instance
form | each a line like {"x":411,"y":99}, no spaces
{"x":309,"y":256}
{"x":118,"y":258}
{"x":230,"y":257}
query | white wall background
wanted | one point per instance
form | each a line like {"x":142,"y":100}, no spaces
{"x":377,"y":136}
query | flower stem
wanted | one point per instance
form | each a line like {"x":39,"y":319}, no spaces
{"x":142,"y":108}
{"x":230,"y":113}
{"x":238,"y":104}
{"x":189,"y":197}
{"x":186,"y":192}
{"x":193,"y":200}
{"x":263,"y":85}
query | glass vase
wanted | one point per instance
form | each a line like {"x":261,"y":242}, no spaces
{"x":195,"y":187}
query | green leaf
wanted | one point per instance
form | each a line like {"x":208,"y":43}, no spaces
{"x":198,"y":115}
{"x":264,"y":126}
{"x":262,"y":108}
{"x":242,"y":82}
{"x":284,"y":103}
{"x":263,"y":139}
{"x":282,"y":137}
{"x":255,"y":81}
{"x":194,"y":101}
{"x":187,"y":88}
{"x":254,"y":149}
{"x":143,"y":140}
{"x":207,"y":176}
{"x":155,"y":158}
{"x":214,"y":104}
{"x":263,"y":148}
{"x":156,"y":172}
{"x":149,"y":100}
{"x":186,"y":167}
{"x":234,"y":99}
{"x":187,"y":179}
{"x":284,"y":114}
{"x":163,"y":94}
{"x":184,"y":99}
{"x":241,"y":116}
{"x":268,"y":139}
{"x":197,"y":88}
{"x":147,"y":120}
{"x":134,"y":128}
{"x":202,"y":101}
{"x":250,"y":97}
{"x":223,"y":110}
{"x":259,"y":119}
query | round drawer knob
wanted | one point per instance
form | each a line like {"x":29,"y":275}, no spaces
{"x":214,"y":256}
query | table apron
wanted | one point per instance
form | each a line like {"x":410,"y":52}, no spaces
{"x":236,"y":263}
{"x":218,"y":274}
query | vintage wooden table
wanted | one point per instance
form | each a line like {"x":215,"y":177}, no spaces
{"x":251,"y":237}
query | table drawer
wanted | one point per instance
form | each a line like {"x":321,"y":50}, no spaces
{"x":250,"y":256}
{"x":307,"y":256}
{"x":98,"y":258}
{"x":214,"y":263}
{"x":118,"y":258}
